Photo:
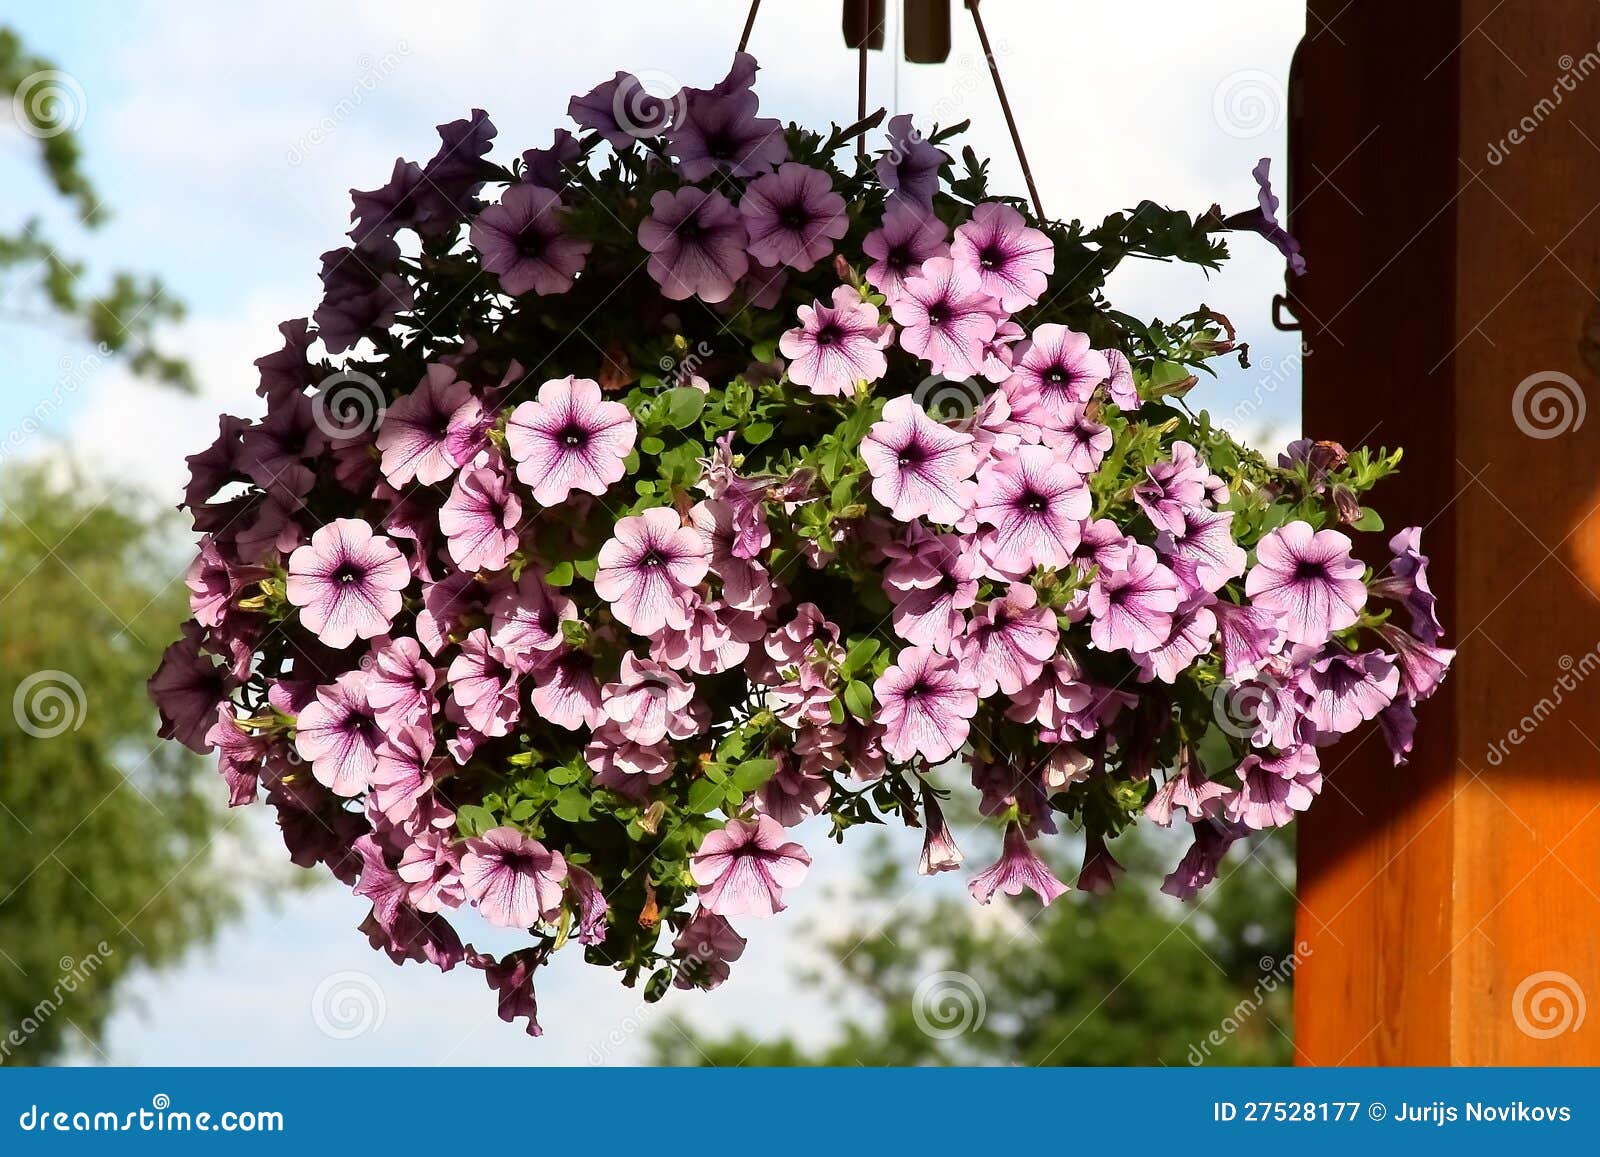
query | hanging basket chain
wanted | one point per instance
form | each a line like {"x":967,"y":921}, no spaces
{"x":1005,"y":107}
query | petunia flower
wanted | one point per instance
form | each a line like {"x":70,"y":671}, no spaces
{"x":929,"y":609}
{"x":908,"y":236}
{"x":188,"y":687}
{"x":514,"y":880}
{"x":1036,"y":505}
{"x":569,"y":439}
{"x":480,"y":519}
{"x":1422,"y":666}
{"x":338,"y":734}
{"x":1212,"y":839}
{"x":1120,"y":387}
{"x":1174,"y":486}
{"x":1055,"y":369}
{"x":1202,"y":552}
{"x":836,"y":346}
{"x":1345,"y":690}
{"x":743,"y":868}
{"x":793,"y":217}
{"x":1263,"y":219}
{"x":483,"y":686}
{"x":648,"y":570}
{"x":347,"y":582}
{"x":939,"y":851}
{"x":649,"y":702}
{"x":1013,"y":262}
{"x":697,"y":242}
{"x":909,"y":167}
{"x":945,"y":317}
{"x":527,"y":620}
{"x":430,"y":867}
{"x":523,"y":241}
{"x":566,"y":692}
{"x":919,"y":467}
{"x":622,"y":110}
{"x":1406,"y":582}
{"x":401,"y":682}
{"x":926,"y":704}
{"x":1018,"y":867}
{"x":1273,"y":788}
{"x":414,"y":435}
{"x":719,"y":131}
{"x":1133,"y":607}
{"x":705,"y":947}
{"x":626,"y":767}
{"x":1009,"y":641}
{"x":1193,"y":627}
{"x":1309,"y":579}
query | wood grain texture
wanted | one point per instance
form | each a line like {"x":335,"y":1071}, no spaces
{"x":1449,"y":261}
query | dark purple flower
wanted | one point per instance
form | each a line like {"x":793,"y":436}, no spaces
{"x":547,"y":168}
{"x":187,"y":688}
{"x":362,"y":292}
{"x":719,"y":131}
{"x":288,"y":372}
{"x":908,"y":237}
{"x":909,"y":167}
{"x":793,"y":217}
{"x":696,"y":241}
{"x":1406,"y":582}
{"x":522,"y":240}
{"x":622,"y":110}
{"x":1263,"y":219}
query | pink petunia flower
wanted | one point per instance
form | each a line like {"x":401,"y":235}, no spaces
{"x":946,"y":318}
{"x":1013,"y":262}
{"x":514,"y":880}
{"x":522,"y":240}
{"x":480,"y":518}
{"x":1009,"y":641}
{"x":706,"y":946}
{"x":1202,"y":552}
{"x":697,"y":242}
{"x":1133,"y":607}
{"x":569,"y":439}
{"x":919,"y":467}
{"x":566,"y":692}
{"x":649,"y":702}
{"x":483,"y":686}
{"x":743,"y":868}
{"x":1054,"y":370}
{"x":939,"y":851}
{"x":414,"y":435}
{"x":908,"y":236}
{"x":1173,"y":487}
{"x":339,"y":735}
{"x":793,"y":217}
{"x":1036,"y":505}
{"x":347,"y":582}
{"x":1018,"y":867}
{"x":648,"y":570}
{"x":931,"y":591}
{"x":1309,"y":579}
{"x":526,"y":620}
{"x":836,"y":346}
{"x":1273,"y":788}
{"x":927,"y":702}
{"x":1406,"y":581}
{"x":1345,"y":690}
{"x":401,"y":683}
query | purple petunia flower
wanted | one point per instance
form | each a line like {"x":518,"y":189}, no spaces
{"x":1212,"y":839}
{"x":1133,"y":607}
{"x":793,"y":217}
{"x":1246,"y":635}
{"x":400,"y":204}
{"x":362,"y":292}
{"x":1119,"y":385}
{"x":522,"y":240}
{"x":622,"y":110}
{"x":939,"y":851}
{"x":1273,"y":788}
{"x":548,"y":168}
{"x":1422,"y":665}
{"x":1036,"y":505}
{"x":706,"y":946}
{"x":187,"y":688}
{"x":569,"y":439}
{"x":927,"y":701}
{"x":1013,"y":262}
{"x":908,"y":237}
{"x":1010,"y":640}
{"x":836,"y":346}
{"x":566,"y":692}
{"x":1309,"y":579}
{"x":1193,"y":627}
{"x":1345,"y":690}
{"x":945,"y":317}
{"x":1263,"y":219}
{"x":743,"y":868}
{"x":1173,"y":487}
{"x":648,"y":570}
{"x":401,"y":683}
{"x":514,"y":880}
{"x":697,"y":244}
{"x":719,"y":131}
{"x":1202,"y":552}
{"x":339,"y":735}
{"x":1055,"y":369}
{"x":1083,"y":440}
{"x":1406,"y":582}
{"x":483,"y":686}
{"x":479,"y":520}
{"x":649,"y":702}
{"x":1018,"y":867}
{"x":414,"y":436}
{"x":526,"y":620}
{"x":919,"y":467}
{"x":347,"y":582}
{"x":931,"y":591}
{"x":909,"y":167}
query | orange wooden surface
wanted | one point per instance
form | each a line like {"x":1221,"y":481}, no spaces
{"x":1453,"y":904}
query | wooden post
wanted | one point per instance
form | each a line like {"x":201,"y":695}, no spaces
{"x":1445,"y":184}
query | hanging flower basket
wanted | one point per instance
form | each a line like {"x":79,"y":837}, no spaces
{"x":621,"y":509}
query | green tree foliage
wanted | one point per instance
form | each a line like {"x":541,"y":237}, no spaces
{"x":119,"y":318}
{"x":1130,"y":978}
{"x":107,"y":853}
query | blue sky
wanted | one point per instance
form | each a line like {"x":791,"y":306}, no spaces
{"x":225,"y":141}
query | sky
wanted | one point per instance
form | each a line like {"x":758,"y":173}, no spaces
{"x":225,"y":140}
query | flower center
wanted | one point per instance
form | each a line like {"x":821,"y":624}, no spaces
{"x":719,"y":146}
{"x":1033,"y":502}
{"x":652,"y":558}
{"x":828,"y":335}
{"x":1306,"y":571}
{"x":348,"y":573}
{"x":991,"y":257}
{"x":1056,"y":376}
{"x":793,"y":218}
{"x":530,"y":243}
{"x":938,"y":314}
{"x":572,"y":436}
{"x":911,"y":455}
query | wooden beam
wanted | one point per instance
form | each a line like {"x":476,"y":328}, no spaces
{"x":1445,"y":185}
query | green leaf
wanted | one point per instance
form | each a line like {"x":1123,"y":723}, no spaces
{"x":651,"y":445}
{"x":757,"y":432}
{"x":683,"y":406}
{"x":858,"y":698}
{"x":860,"y":654}
{"x":704,"y":797}
{"x":1369,"y":520}
{"x":559,"y":575}
{"x":753,"y":773}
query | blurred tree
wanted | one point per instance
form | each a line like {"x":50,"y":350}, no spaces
{"x":1130,"y":978}
{"x":48,"y":105}
{"x":106,"y":833}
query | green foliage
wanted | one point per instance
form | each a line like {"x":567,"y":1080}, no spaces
{"x":122,"y":317}
{"x":106,"y":834}
{"x":1123,"y":979}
